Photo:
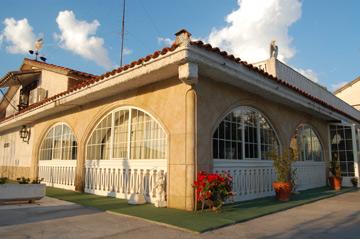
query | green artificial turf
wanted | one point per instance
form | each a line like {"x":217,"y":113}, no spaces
{"x":195,"y":221}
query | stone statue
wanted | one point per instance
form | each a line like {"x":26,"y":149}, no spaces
{"x":160,"y":185}
{"x":273,"y":49}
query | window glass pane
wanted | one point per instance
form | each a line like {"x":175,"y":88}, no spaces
{"x":99,"y":142}
{"x":259,"y":137}
{"x":58,"y":144}
{"x":342,"y":148}
{"x":148,"y":140}
{"x":145,"y":139}
{"x":306,"y":144}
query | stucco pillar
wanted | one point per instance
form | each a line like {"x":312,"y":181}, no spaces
{"x":80,"y":169}
{"x":188,"y":73}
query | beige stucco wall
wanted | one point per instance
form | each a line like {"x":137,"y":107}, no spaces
{"x":53,"y":82}
{"x":351,"y":95}
{"x":15,"y":155}
{"x":170,"y":102}
{"x":216,"y":99}
{"x":164,"y":100}
{"x":10,"y":110}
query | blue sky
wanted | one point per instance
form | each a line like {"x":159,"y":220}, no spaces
{"x":319,"y":38}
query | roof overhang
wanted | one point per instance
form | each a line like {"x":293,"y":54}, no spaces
{"x":19,"y":78}
{"x":164,"y":67}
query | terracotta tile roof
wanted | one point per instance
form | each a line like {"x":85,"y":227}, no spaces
{"x":163,"y":51}
{"x":95,"y":79}
{"x":69,"y":70}
{"x":216,"y":50}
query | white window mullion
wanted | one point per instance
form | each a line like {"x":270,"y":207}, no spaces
{"x":112,"y":129}
{"x":61,"y":141}
{"x":243,"y":137}
{"x":53,"y":144}
{"x":258,"y":137}
{"x":129,"y":134}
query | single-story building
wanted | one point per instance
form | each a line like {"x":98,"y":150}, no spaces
{"x":180,"y":110}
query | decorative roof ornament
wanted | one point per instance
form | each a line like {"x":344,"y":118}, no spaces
{"x":274,"y":49}
{"x":38,"y":45}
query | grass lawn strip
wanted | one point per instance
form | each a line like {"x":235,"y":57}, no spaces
{"x":195,"y":221}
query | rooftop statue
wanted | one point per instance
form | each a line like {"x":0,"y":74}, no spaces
{"x":273,"y":49}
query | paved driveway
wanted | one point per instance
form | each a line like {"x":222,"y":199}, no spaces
{"x":337,"y":217}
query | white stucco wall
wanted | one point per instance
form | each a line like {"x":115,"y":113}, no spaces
{"x":15,"y":152}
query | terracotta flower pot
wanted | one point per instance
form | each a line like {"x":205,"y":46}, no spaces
{"x":335,"y":183}
{"x":282,"y":190}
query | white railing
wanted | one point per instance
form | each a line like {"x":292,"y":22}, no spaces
{"x":310,"y":174}
{"x":58,"y":173}
{"x":253,"y":179}
{"x":122,"y":178}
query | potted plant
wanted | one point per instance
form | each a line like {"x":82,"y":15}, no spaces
{"x":213,"y":189}
{"x":25,"y":190}
{"x":354,"y":181}
{"x":284,"y":183}
{"x":335,"y":178}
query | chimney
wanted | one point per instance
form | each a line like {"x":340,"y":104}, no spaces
{"x":183,"y":37}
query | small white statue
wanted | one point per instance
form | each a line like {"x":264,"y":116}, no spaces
{"x":274,"y":50}
{"x":160,"y":190}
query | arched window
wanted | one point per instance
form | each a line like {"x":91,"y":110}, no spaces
{"x":244,"y":134}
{"x":59,"y":144}
{"x":306,"y":144}
{"x":127,"y":133}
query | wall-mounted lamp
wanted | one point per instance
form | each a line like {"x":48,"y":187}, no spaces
{"x":25,"y":133}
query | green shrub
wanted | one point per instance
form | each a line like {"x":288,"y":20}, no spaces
{"x":3,"y":180}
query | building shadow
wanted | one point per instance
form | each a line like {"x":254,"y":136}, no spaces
{"x":21,"y":215}
{"x":323,"y":227}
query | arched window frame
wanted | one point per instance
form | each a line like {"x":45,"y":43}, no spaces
{"x":129,"y":133}
{"x":302,"y":148}
{"x":258,"y":146}
{"x":72,"y":148}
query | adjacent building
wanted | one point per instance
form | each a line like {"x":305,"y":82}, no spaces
{"x":182,"y":109}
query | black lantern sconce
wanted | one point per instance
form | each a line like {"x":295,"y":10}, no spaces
{"x":25,"y":134}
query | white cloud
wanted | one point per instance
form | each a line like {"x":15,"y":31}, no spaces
{"x":80,"y":38}
{"x":310,"y":74}
{"x":165,"y":41}
{"x":18,"y":36}
{"x":338,"y":85}
{"x":250,"y":29}
{"x":127,"y":51}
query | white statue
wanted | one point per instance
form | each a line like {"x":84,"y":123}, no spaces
{"x":160,"y":185}
{"x":274,"y":50}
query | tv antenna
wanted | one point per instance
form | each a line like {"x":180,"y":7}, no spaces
{"x":122,"y":34}
{"x":38,"y":45}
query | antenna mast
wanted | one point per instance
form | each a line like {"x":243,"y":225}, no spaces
{"x":122,"y":34}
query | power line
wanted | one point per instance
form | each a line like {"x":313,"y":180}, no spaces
{"x":150,"y":18}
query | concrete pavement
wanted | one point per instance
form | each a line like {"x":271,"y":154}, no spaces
{"x":337,"y":217}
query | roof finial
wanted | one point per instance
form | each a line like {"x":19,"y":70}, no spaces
{"x":274,"y":49}
{"x":38,"y":45}
{"x":183,"y":37}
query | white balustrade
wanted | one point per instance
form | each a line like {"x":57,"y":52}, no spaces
{"x":253,"y":179}
{"x":58,"y":173}
{"x":121,"y":178}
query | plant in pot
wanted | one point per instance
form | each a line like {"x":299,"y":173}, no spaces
{"x":335,"y":178}
{"x":213,"y":189}
{"x":354,"y":181}
{"x":284,"y":183}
